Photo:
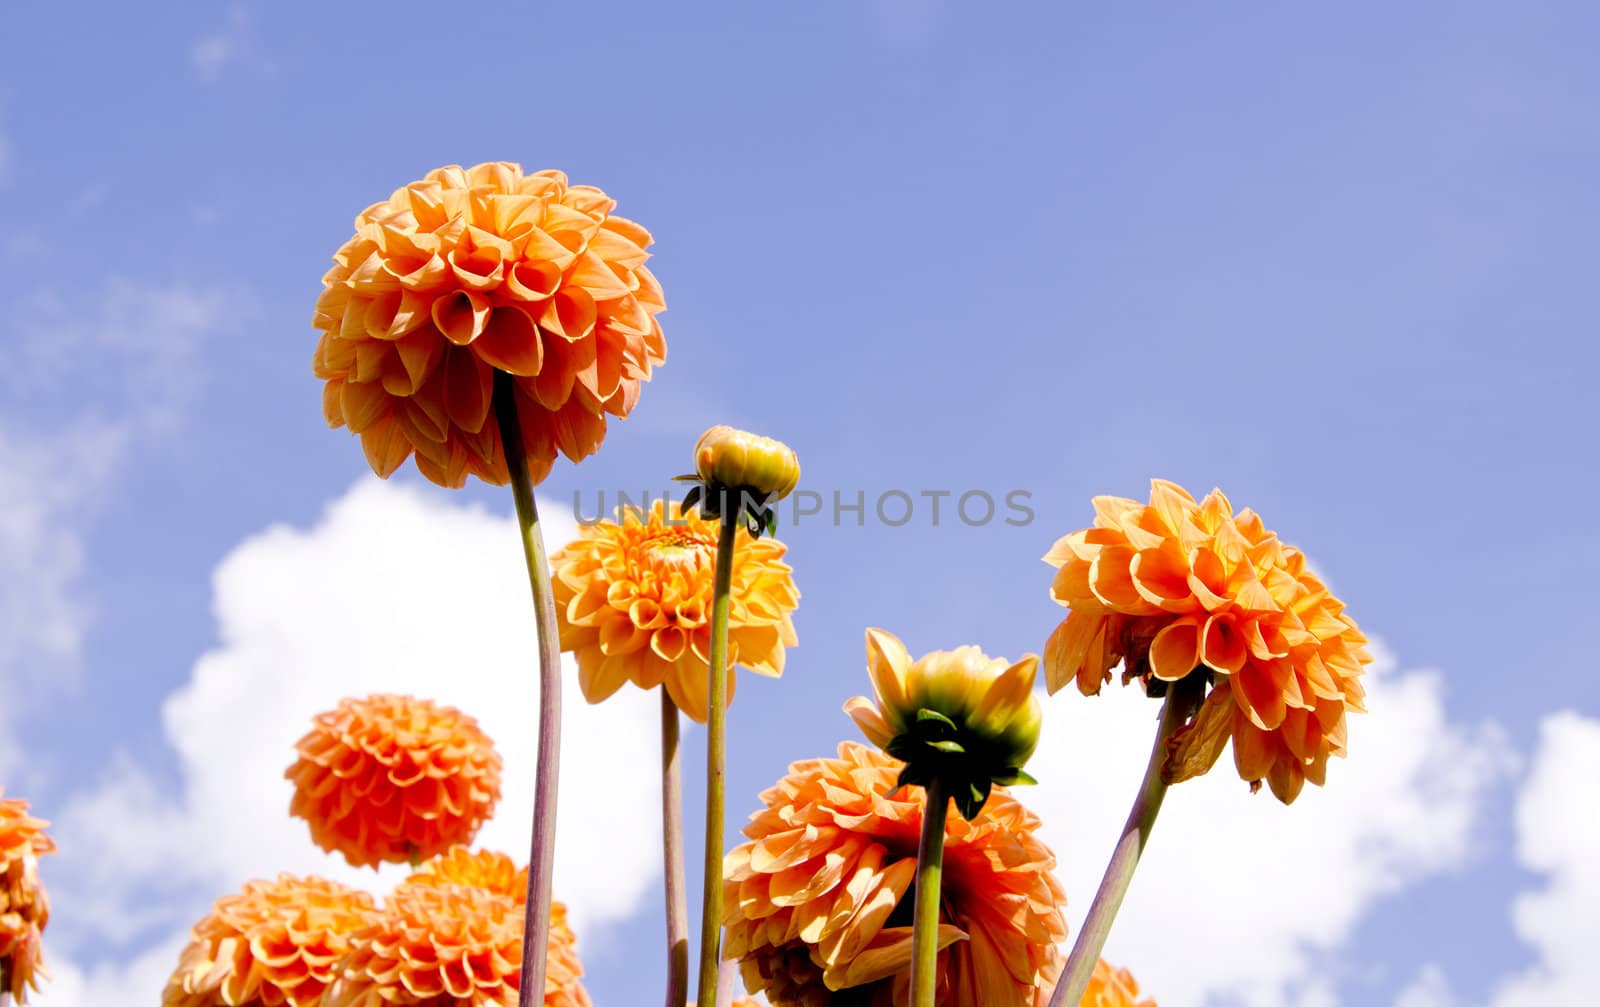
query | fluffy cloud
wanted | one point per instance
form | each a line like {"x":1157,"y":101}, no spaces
{"x":1558,"y":834}
{"x":394,"y":590}
{"x":1274,"y":890}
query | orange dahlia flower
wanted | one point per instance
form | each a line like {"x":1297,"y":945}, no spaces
{"x":472,"y":271}
{"x":275,"y":942}
{"x":1112,"y":987}
{"x":1175,"y":586}
{"x":485,"y":869}
{"x":393,"y":778}
{"x":633,"y":600}
{"x":450,"y":945}
{"x":24,"y":905}
{"x":819,"y":900}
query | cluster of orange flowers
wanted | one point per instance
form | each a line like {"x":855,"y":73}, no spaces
{"x":448,"y":936}
{"x":484,"y":309}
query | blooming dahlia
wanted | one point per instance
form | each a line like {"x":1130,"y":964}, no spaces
{"x":452,"y":945}
{"x":633,"y":600}
{"x":485,"y":869}
{"x":819,"y":900}
{"x":275,"y":942}
{"x":1112,"y":987}
{"x":24,"y":906}
{"x":1177,"y":586}
{"x":472,"y":271}
{"x":393,"y":778}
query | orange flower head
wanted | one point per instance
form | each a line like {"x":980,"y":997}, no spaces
{"x":1176,"y":586}
{"x":275,"y":942}
{"x":24,"y":905}
{"x":485,"y":869}
{"x":818,"y":900}
{"x":449,"y":945}
{"x":1112,"y":987}
{"x":472,"y":272}
{"x":958,"y":715}
{"x":633,"y":600}
{"x":393,"y":778}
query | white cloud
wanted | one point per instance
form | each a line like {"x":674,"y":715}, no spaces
{"x":1274,"y":890}
{"x":1430,"y":989}
{"x":211,"y":54}
{"x":125,"y":365}
{"x":1558,"y":835}
{"x":395,"y":589}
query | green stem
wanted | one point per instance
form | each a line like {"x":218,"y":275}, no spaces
{"x":1183,"y":698}
{"x":716,"y":704}
{"x":925,"y":922}
{"x":541,"y":856}
{"x":672,"y":856}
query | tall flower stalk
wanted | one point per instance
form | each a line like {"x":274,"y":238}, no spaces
{"x":925,"y":921}
{"x":541,"y":856}
{"x":672,"y":856}
{"x":741,"y":476}
{"x":485,"y":290}
{"x":1181,"y":703}
{"x":716,"y":754}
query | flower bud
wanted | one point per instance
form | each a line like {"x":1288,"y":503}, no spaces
{"x":961,"y":716}
{"x":739,"y":460}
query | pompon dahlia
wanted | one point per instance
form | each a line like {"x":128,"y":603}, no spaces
{"x":1112,"y":987}
{"x":470,"y":271}
{"x":393,"y":778}
{"x":275,"y":942}
{"x":1175,"y":587}
{"x":24,"y":905}
{"x":485,"y":869}
{"x":633,"y":600}
{"x":819,"y":900}
{"x":449,"y":945}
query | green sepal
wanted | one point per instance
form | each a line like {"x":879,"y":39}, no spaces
{"x":971,"y":798}
{"x":925,"y":715}
{"x":948,"y":747}
{"x":1014,"y":777}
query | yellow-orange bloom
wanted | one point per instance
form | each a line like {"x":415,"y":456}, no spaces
{"x":1176,"y":585}
{"x":449,"y":945}
{"x":633,"y":600}
{"x":959,"y":715}
{"x":486,"y":869}
{"x":275,"y":942}
{"x":818,"y":900}
{"x":472,"y":271}
{"x":738,"y":459}
{"x":24,"y":906}
{"x":1112,"y":987}
{"x":393,"y":778}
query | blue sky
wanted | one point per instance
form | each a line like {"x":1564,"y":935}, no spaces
{"x":1339,"y":262}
